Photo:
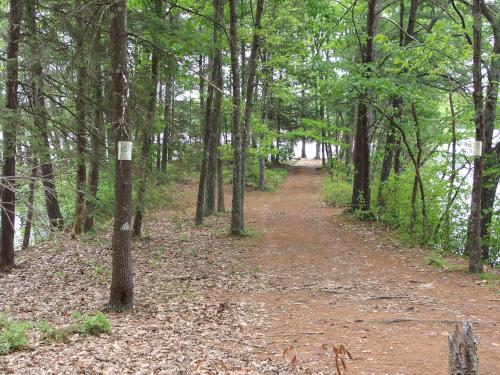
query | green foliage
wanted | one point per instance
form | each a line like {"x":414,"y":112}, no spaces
{"x":337,"y":193}
{"x":437,"y":260}
{"x":84,"y":325}
{"x":12,"y":335}
{"x":93,"y":324}
{"x":102,"y":273}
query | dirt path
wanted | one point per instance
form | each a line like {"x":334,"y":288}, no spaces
{"x":325,"y":280}
{"x":209,"y":303}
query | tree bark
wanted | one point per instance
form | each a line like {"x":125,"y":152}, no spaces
{"x":41,"y":137}
{"x":167,"y":119}
{"x":216,"y":112}
{"x":122,"y":286}
{"x":28,"y":225}
{"x":97,"y":130}
{"x":361,"y":184}
{"x":491,"y":153}
{"x":462,"y":356}
{"x":474,"y":243}
{"x":8,"y":214}
{"x":145,"y":163}
{"x":250,"y":87}
{"x":237,"y":223}
{"x":80,"y":133}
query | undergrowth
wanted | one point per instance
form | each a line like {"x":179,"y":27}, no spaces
{"x":14,"y":334}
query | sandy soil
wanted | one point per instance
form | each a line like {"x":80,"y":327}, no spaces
{"x":329,"y":281}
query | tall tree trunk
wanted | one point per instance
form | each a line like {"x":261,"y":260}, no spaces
{"x":303,"y":152}
{"x":250,"y":87}
{"x":453,"y":175}
{"x":215,"y":122}
{"x":80,"y":133}
{"x":491,"y":153}
{"x":387,"y":162}
{"x":145,"y":167}
{"x":8,"y":214}
{"x":158,"y":136}
{"x":474,"y":242}
{"x":167,"y":119}
{"x":263,"y":119}
{"x":393,"y":147}
{"x":28,"y":225}
{"x":96,"y":136}
{"x":122,"y":286}
{"x":361,"y":184}
{"x":41,"y":138}
{"x":237,"y":223}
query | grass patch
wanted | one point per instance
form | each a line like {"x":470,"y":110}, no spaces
{"x":437,"y":260}
{"x":12,"y":335}
{"x":337,"y":193}
{"x":248,"y":233}
{"x":101,"y":273}
{"x":93,"y":325}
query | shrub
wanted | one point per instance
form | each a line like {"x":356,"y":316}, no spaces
{"x":93,"y":324}
{"x":12,"y":335}
{"x":84,"y":325}
{"x":337,"y":193}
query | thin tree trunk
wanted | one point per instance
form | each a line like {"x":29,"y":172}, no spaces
{"x":81,"y":140}
{"x":167,"y":119}
{"x":361,"y":184}
{"x":158,"y":136}
{"x":215,"y":122}
{"x":474,"y":243}
{"x":145,"y":167}
{"x":250,"y":87}
{"x":387,"y":162}
{"x":30,"y":205}
{"x":97,"y":131}
{"x":237,"y":223}
{"x":41,"y":138}
{"x":8,"y":214}
{"x":491,"y":176}
{"x":122,"y":286}
{"x":453,"y":174}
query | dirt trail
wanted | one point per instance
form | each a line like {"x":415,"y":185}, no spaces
{"x":331,"y":281}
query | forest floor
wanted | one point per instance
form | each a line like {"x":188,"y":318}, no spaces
{"x":208,"y":303}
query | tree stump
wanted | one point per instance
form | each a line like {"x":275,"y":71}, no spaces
{"x":462,"y":357}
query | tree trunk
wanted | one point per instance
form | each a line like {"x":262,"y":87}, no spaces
{"x":97,"y":130}
{"x":30,"y":205}
{"x":167,"y":119}
{"x":80,"y":134}
{"x":158,"y":135}
{"x":390,"y":145}
{"x":462,"y":356}
{"x":250,"y":87}
{"x":474,"y":243}
{"x":122,"y":286}
{"x":237,"y":223}
{"x":303,"y":153}
{"x":8,"y":215}
{"x":361,"y":184}
{"x":491,"y":153}
{"x":145,"y":163}
{"x":41,"y":138}
{"x":215,"y":121}
{"x":449,"y":200}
